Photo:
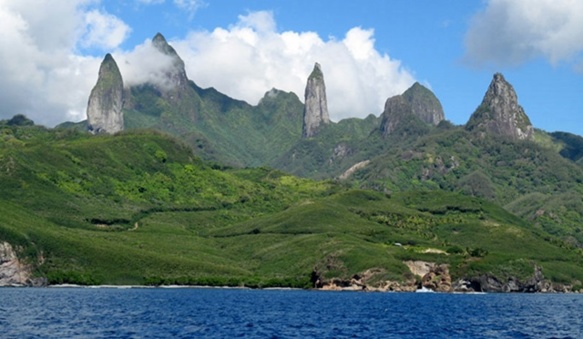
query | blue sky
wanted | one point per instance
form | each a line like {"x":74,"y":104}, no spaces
{"x":369,"y":51}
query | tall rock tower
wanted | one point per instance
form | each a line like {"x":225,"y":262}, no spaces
{"x":104,"y":109}
{"x":500,"y":114}
{"x":316,"y":105}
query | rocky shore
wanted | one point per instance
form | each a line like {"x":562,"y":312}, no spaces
{"x":14,"y":272}
{"x":436,"y":277}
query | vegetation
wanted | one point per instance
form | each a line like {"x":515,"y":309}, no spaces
{"x":140,"y":208}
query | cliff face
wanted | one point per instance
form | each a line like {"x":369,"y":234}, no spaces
{"x":104,"y":109}
{"x":424,"y":104}
{"x":316,"y":104}
{"x":13,"y":272}
{"x":417,"y":104}
{"x":500,"y":114}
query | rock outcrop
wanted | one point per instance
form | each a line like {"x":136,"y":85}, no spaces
{"x":316,"y":104}
{"x":489,"y":283}
{"x":13,"y":272}
{"x":353,"y":169}
{"x":411,"y":110}
{"x":499,"y":114}
{"x":104,"y":109}
{"x":366,"y":281}
{"x":433,"y":276}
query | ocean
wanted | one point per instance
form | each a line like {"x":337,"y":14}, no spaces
{"x":228,"y":313}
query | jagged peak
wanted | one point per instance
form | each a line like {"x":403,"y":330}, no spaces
{"x":316,"y":72}
{"x":109,"y":70}
{"x":159,"y":39}
{"x":160,"y":43}
{"x":108,"y":58}
{"x":500,"y":114}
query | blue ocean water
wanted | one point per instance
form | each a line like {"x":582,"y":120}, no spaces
{"x":227,"y":313}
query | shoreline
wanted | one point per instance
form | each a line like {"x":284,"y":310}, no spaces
{"x":170,"y":287}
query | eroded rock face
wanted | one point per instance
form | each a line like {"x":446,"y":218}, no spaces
{"x":316,"y":104}
{"x":104,"y":109}
{"x":500,"y":114}
{"x":489,"y":283}
{"x":433,"y":276}
{"x":424,"y":104}
{"x":417,"y":104}
{"x":12,"y":271}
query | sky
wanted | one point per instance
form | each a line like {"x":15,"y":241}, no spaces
{"x":370,"y":50}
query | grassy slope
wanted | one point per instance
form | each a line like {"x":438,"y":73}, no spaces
{"x":139,"y":208}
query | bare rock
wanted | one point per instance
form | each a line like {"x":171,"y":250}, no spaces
{"x":316,"y":104}
{"x":12,"y":271}
{"x":416,"y":108}
{"x":353,"y":169}
{"x":104,"y":109}
{"x":500,"y":114}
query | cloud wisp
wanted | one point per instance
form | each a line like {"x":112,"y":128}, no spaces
{"x":511,"y":32}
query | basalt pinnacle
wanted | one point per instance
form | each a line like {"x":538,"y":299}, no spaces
{"x":416,"y":105}
{"x":104,"y":109}
{"x":500,"y":114}
{"x":316,"y":105}
{"x":175,"y":76}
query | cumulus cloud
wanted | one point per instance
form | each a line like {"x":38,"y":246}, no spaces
{"x":250,"y":57}
{"x":104,"y":30}
{"x":45,"y":74}
{"x":42,"y":74}
{"x":510,"y":32}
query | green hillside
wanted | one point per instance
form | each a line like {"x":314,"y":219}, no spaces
{"x":140,"y":208}
{"x":221,"y":128}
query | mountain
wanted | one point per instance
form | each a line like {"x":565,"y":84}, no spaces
{"x":500,"y":114}
{"x":409,"y":111}
{"x":315,"y":103}
{"x":104,"y":109}
{"x":527,"y":182}
{"x":140,"y":208}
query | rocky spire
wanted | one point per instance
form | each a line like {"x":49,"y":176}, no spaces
{"x":104,"y":109}
{"x":500,"y":114}
{"x":176,"y":74}
{"x":417,"y":105}
{"x":316,"y":105}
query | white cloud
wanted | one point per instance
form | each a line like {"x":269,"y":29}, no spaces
{"x":45,"y":75}
{"x":511,"y":32}
{"x":104,"y":30}
{"x":249,"y":58}
{"x":144,"y":64}
{"x":42,"y":73}
{"x":191,"y":6}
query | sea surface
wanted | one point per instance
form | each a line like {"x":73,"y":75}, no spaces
{"x":228,"y":313}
